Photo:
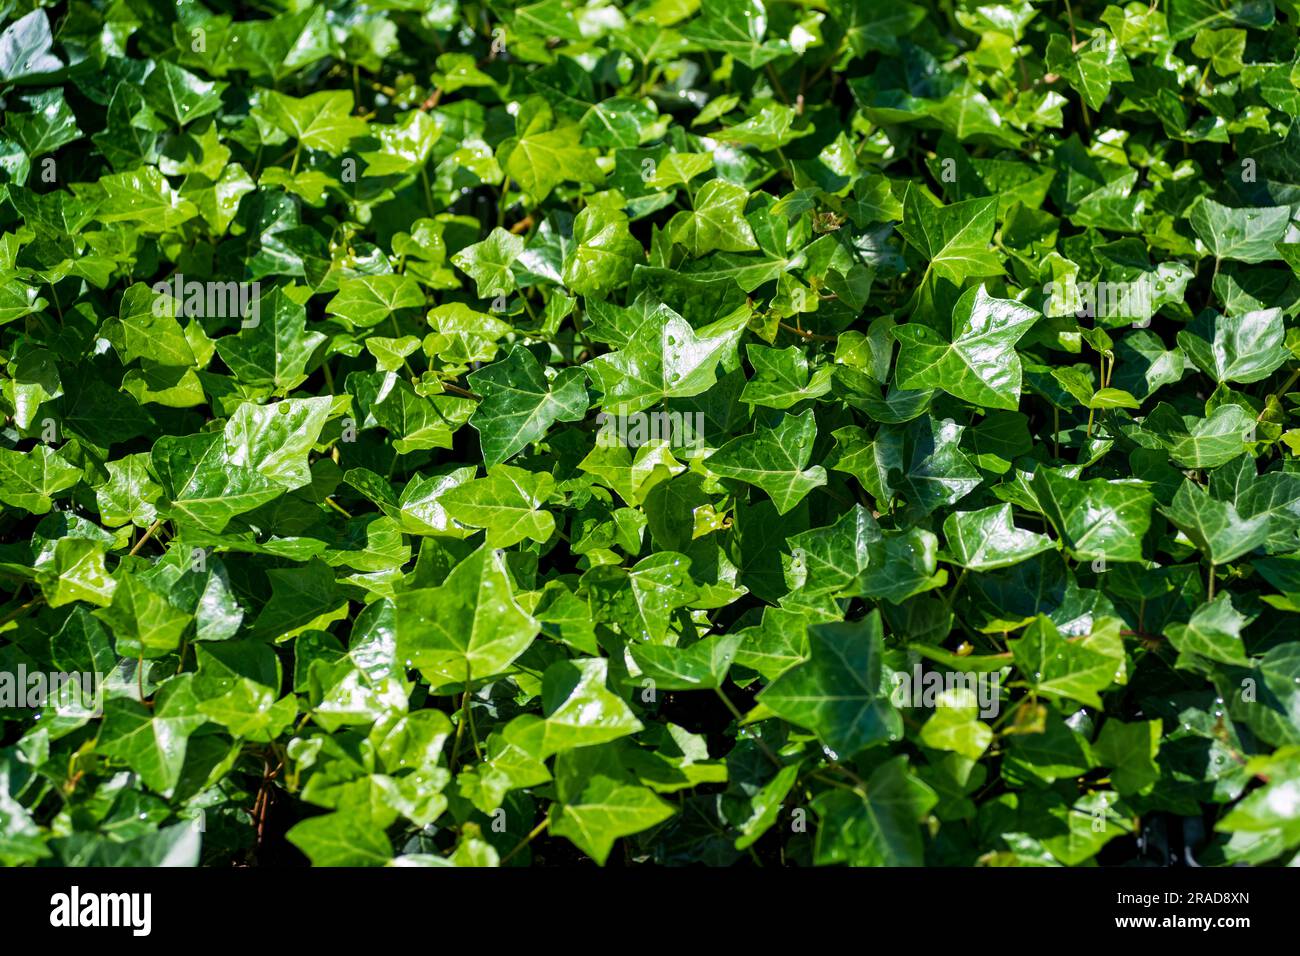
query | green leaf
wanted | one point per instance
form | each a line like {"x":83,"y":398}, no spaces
{"x":468,"y":628}
{"x":321,"y":120}
{"x":27,"y":48}
{"x":520,"y":405}
{"x":579,"y":709}
{"x":29,"y":480}
{"x":1092,"y":68}
{"x":180,"y":95}
{"x":274,"y":346}
{"x":153,"y":741}
{"x":1214,"y":632}
{"x":541,"y":161}
{"x":605,"y":811}
{"x":781,"y":378}
{"x":1214,"y":526}
{"x":717,"y":222}
{"x":1241,"y":348}
{"x":1247,"y":235}
{"x":203,"y":486}
{"x":366,"y":301}
{"x":508,"y":503}
{"x":979,"y":363}
{"x":738,"y":28}
{"x":488,"y":262}
{"x":1096,"y":519}
{"x":1130,"y":750}
{"x":664,"y":358}
{"x":838,"y":691}
{"x":880,"y":827}
{"x":274,"y":440}
{"x":987,"y":539}
{"x":1073,"y":668}
{"x":604,"y":255}
{"x":955,"y":239}
{"x":774,"y":459}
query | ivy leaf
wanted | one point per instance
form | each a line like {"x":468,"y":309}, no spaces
{"x":323,"y":120}
{"x":1240,"y":348}
{"x":838,"y":691}
{"x":604,"y":255}
{"x":366,"y":301}
{"x":153,"y":742}
{"x":579,"y":709}
{"x":488,"y":262}
{"x":145,"y":198}
{"x":605,"y":811}
{"x":664,"y":358}
{"x":275,"y":439}
{"x":507,"y":503}
{"x":50,"y":124}
{"x":1215,"y":526}
{"x":1130,"y":749}
{"x":979,"y":364}
{"x":181,"y":96}
{"x":200,"y":483}
{"x":921,"y":463}
{"x":736,"y":27}
{"x":782,"y":379}
{"x":955,"y":239}
{"x":1076,"y":669}
{"x":775,"y":459}
{"x":276,"y":349}
{"x":702,"y":665}
{"x":1096,"y":519}
{"x":27,"y":48}
{"x":987,"y":539}
{"x":29,"y":480}
{"x":1213,"y":632}
{"x":878,"y":828}
{"x":1247,"y":235}
{"x":541,"y":161}
{"x":1091,"y":69}
{"x":469,"y":628}
{"x":717,"y":223}
{"x":519,"y":405}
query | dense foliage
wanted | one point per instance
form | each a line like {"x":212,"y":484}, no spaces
{"x":472,"y":433}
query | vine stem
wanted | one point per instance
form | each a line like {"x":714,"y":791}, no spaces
{"x":428,"y":190}
{"x":1279,"y":393}
{"x":810,"y":336}
{"x":952,"y":595}
{"x":147,"y":535}
{"x":23,"y":609}
{"x":463,"y":392}
{"x":735,"y":712}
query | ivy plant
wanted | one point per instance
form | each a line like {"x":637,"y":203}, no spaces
{"x":756,"y":432}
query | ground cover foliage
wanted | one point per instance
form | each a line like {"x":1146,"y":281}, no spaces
{"x":754,"y":432}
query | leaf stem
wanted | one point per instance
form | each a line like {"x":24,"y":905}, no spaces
{"x":428,"y":191}
{"x":735,"y":712}
{"x":952,"y":595}
{"x":147,"y":535}
{"x":534,"y":832}
{"x":462,"y":392}
{"x":1291,"y":380}
{"x":18,"y":612}
{"x":810,"y":336}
